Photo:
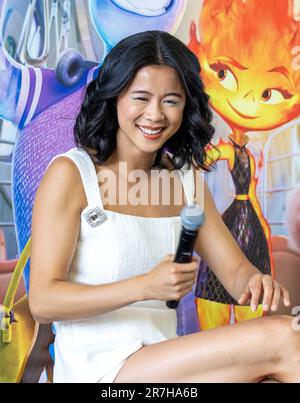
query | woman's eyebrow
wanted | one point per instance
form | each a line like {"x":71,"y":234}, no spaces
{"x":175,"y":94}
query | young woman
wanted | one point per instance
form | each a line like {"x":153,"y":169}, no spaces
{"x":103,"y":271}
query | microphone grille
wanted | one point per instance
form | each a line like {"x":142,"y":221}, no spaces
{"x":192,"y":216}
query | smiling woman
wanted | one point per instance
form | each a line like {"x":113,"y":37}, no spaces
{"x":146,"y":108}
{"x":160,"y":88}
{"x":106,"y":286}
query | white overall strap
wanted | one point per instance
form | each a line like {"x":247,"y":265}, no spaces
{"x":187,"y":178}
{"x":88,"y":175}
{"x":87,"y":172}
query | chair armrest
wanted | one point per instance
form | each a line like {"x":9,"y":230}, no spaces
{"x":7,"y":266}
{"x":281,"y":243}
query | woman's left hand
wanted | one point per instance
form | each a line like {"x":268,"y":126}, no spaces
{"x":263,"y":288}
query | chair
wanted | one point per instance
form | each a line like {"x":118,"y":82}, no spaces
{"x":287,"y":270}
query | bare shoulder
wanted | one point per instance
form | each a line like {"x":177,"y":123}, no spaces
{"x":62,"y":184}
{"x":203,"y":195}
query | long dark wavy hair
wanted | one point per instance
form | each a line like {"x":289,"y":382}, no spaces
{"x":97,"y":123}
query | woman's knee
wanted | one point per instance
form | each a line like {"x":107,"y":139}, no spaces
{"x":287,"y":334}
{"x":276,"y":334}
{"x":285,"y":331}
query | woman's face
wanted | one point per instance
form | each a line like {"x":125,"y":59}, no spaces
{"x":150,"y":109}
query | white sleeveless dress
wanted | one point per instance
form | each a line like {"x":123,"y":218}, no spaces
{"x":122,"y":247}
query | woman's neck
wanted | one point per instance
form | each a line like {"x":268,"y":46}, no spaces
{"x":127,"y":156}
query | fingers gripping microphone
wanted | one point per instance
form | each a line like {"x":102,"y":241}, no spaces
{"x":192,"y":218}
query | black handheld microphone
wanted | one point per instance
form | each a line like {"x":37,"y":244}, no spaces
{"x":192,"y":218}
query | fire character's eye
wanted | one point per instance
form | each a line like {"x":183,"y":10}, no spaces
{"x":273,"y":96}
{"x":225,"y":76}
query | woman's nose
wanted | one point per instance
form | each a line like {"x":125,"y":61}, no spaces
{"x":154,"y":112}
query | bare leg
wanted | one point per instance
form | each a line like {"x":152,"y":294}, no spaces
{"x":244,"y":352}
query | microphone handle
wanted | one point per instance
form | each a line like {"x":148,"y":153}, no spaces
{"x":184,"y":253}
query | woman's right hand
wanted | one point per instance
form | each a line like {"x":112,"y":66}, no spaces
{"x":170,"y":281}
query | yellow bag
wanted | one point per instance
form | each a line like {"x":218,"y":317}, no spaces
{"x":19,"y":331}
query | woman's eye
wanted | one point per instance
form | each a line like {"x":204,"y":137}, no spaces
{"x":272,"y":96}
{"x":225,"y":76}
{"x":141,"y":99}
{"x":169,"y":101}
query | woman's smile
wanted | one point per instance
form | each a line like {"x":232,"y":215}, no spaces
{"x":151,"y":134}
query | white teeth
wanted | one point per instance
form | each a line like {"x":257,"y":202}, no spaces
{"x":148,"y":131}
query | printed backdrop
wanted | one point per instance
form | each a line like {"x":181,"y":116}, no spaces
{"x":249,"y":51}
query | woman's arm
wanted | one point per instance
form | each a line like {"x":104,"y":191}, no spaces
{"x":240,"y":278}
{"x":55,"y":230}
{"x":254,"y":200}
